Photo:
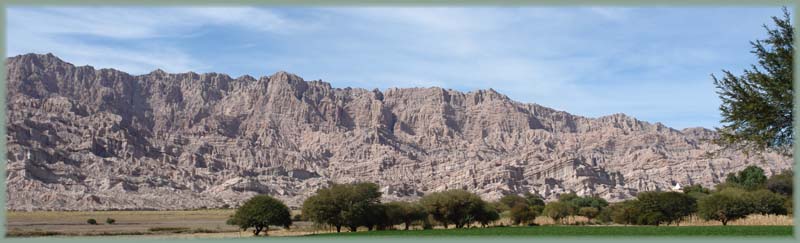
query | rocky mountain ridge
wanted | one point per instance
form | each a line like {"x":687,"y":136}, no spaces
{"x":80,"y":138}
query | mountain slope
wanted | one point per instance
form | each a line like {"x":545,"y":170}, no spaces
{"x":81,"y":138}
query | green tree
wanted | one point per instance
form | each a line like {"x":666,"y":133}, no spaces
{"x":259,"y":212}
{"x":522,"y":214}
{"x":405,"y":212}
{"x":724,"y":206}
{"x":757,"y":106}
{"x":750,"y":178}
{"x":588,"y":212}
{"x":782,"y":183}
{"x":486,"y":215}
{"x":696,"y":188}
{"x":534,"y":199}
{"x":767,"y":202}
{"x":511,"y":200}
{"x":457,"y":207}
{"x":350,"y":205}
{"x":626,"y":212}
{"x":558,"y":210}
{"x":321,"y":209}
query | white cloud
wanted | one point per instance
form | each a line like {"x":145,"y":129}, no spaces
{"x":63,"y":31}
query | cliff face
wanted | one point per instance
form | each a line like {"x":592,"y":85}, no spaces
{"x":81,"y":138}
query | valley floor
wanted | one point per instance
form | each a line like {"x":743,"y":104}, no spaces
{"x":211,"y":224}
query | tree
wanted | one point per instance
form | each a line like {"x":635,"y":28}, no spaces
{"x":405,"y":212}
{"x":110,"y":221}
{"x":320,"y":208}
{"x":357,"y":203}
{"x":91,"y":221}
{"x":558,"y":210}
{"x":457,"y":207}
{"x":750,"y":178}
{"x":724,"y":206}
{"x":350,"y":205}
{"x":767,"y":202}
{"x":259,"y":212}
{"x":696,"y":188}
{"x":511,"y":200}
{"x":588,"y":212}
{"x":781,"y":183}
{"x":625,"y":212}
{"x":534,"y":199}
{"x":675,"y":205}
{"x":757,"y":106}
{"x":522,"y":214}
{"x":486,"y":215}
{"x":582,"y":201}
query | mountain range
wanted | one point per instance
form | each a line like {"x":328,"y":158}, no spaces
{"x":80,"y":138}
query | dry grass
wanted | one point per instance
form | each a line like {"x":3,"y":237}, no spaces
{"x":753,"y":219}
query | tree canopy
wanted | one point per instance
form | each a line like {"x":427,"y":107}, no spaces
{"x":757,"y":106}
{"x":259,"y":213}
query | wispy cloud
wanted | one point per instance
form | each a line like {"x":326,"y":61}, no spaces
{"x":650,"y":63}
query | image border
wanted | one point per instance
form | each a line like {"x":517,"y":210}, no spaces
{"x":360,"y":3}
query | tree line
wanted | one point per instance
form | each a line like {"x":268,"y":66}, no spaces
{"x":358,"y":205}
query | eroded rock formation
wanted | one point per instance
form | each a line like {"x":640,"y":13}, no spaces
{"x":81,"y":138}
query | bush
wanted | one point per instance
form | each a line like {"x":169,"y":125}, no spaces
{"x":91,"y":221}
{"x":110,"y":221}
{"x":297,"y":217}
{"x":260,"y":212}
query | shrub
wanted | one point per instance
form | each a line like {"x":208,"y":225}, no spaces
{"x":91,"y":221}
{"x":297,"y":217}
{"x":259,"y":212}
{"x":110,"y":221}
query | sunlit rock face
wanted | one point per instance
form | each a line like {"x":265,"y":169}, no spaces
{"x":86,"y":139}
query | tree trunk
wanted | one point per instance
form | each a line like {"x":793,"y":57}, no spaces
{"x":724,"y":222}
{"x":256,"y":231}
{"x":408,"y":225}
{"x":353,"y":228}
{"x":338,"y":228}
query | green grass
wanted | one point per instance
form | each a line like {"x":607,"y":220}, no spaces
{"x":586,"y":231}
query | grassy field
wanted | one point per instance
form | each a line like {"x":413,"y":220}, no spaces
{"x":180,"y":224}
{"x":211,"y":224}
{"x":585,"y":231}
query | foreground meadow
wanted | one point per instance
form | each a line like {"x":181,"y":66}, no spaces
{"x":211,"y":224}
{"x":585,"y":231}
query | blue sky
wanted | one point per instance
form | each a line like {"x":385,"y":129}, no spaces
{"x":651,"y":63}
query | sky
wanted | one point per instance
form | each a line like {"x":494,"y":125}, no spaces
{"x":651,"y":63}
